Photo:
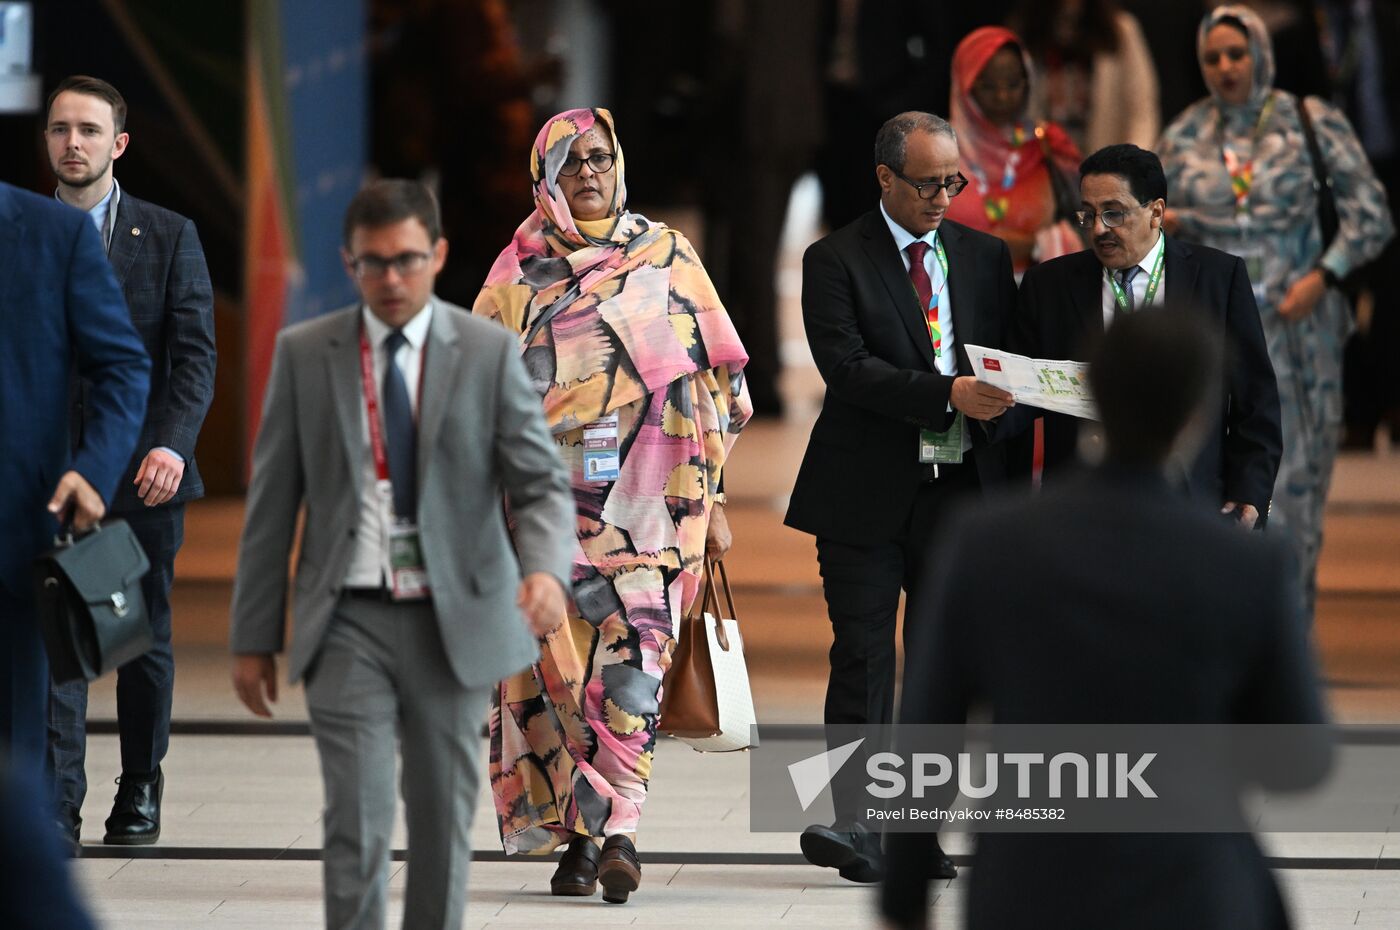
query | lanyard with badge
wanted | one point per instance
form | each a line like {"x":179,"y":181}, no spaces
{"x":1120,"y":297}
{"x":998,"y":204}
{"x":1241,"y":173}
{"x":401,"y":550}
{"x":945,"y":448}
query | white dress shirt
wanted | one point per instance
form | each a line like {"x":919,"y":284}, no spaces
{"x":1110,"y":304}
{"x":367,"y":559}
{"x":103,"y":211}
{"x":947,"y":360}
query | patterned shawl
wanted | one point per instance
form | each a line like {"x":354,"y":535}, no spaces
{"x":608,"y":311}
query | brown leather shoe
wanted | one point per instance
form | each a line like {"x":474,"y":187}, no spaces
{"x":619,"y":869}
{"x":577,"y":875}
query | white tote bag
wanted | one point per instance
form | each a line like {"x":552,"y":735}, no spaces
{"x":730,"y":693}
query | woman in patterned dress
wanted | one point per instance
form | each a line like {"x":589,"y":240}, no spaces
{"x":641,"y":374}
{"x":1240,"y":178}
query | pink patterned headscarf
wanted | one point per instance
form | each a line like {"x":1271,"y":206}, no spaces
{"x":550,"y":151}
{"x":608,"y":311}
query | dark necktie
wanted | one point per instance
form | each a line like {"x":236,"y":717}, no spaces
{"x":919,"y":274}
{"x":400,"y":435}
{"x":1125,"y":281}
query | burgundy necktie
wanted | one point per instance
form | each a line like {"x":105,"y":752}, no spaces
{"x":918,"y":274}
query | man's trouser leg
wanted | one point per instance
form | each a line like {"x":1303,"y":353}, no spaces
{"x":862,"y":585}
{"x":351,"y":696}
{"x":145,"y":685}
{"x":441,"y":740}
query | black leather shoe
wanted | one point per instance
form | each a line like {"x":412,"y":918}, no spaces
{"x":940,"y":866}
{"x":619,"y":869}
{"x":855,"y":853}
{"x":69,"y":826}
{"x":135,"y":819}
{"x":577,"y":875}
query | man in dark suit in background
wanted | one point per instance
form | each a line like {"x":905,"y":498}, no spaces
{"x":1127,"y":609}
{"x":889,"y":303}
{"x":59,"y":306}
{"x":160,"y":266}
{"x":1066,"y":304}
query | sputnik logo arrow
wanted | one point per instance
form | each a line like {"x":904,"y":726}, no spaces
{"x":814,"y":773}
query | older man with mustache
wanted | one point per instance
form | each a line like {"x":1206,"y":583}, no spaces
{"x":1066,"y":304}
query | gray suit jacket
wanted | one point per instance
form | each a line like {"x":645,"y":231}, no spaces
{"x":482,"y":437}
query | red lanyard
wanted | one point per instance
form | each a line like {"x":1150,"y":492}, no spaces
{"x":376,"y":431}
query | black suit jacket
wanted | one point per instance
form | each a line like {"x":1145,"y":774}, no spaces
{"x":1060,"y":316}
{"x":1127,"y":609}
{"x":160,"y":266}
{"x":871,"y":344}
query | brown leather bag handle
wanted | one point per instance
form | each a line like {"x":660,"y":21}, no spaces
{"x":711,"y":598}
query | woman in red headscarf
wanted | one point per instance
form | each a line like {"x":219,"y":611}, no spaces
{"x":1010,"y":160}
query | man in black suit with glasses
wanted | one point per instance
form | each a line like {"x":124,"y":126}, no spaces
{"x":905,"y":430}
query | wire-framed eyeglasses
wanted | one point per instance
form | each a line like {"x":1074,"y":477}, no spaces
{"x":1111,"y":218}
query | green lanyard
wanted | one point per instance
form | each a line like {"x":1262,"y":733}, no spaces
{"x":941,"y":255}
{"x":1153,"y":279}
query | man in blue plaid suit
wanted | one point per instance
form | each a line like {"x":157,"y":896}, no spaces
{"x":158,"y":261}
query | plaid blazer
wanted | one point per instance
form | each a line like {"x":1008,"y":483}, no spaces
{"x":160,"y":266}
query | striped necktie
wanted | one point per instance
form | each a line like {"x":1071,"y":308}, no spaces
{"x":1125,"y":278}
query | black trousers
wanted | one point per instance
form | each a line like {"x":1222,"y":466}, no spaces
{"x":862,"y":584}
{"x":145,"y":685}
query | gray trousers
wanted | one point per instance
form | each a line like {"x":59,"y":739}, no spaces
{"x":381,"y":679}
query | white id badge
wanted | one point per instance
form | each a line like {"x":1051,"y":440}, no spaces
{"x":1251,"y":251}
{"x":403,"y":551}
{"x":601,"y":460}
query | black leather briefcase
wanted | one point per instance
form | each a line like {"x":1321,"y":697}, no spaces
{"x":88,"y":595}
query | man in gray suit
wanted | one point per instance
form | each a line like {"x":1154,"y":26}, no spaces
{"x":399,"y":425}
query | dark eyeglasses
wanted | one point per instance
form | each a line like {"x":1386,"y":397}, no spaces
{"x":1235,"y":53}
{"x":928,"y":190}
{"x":598,"y":163}
{"x":405,"y":264}
{"x":1111,"y":218}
